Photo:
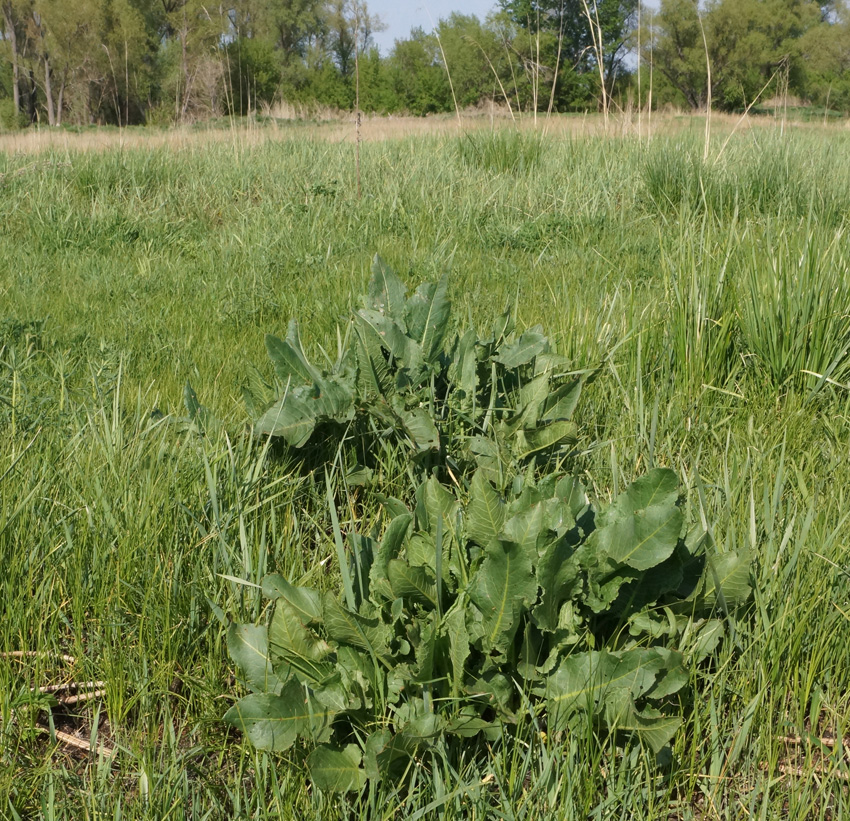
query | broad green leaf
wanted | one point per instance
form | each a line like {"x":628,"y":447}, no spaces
{"x":391,"y":543}
{"x":388,"y":754}
{"x":387,"y":292}
{"x":521,"y":352}
{"x":531,"y":398}
{"x":433,"y":502}
{"x":642,"y":539}
{"x":558,"y":574}
{"x":454,"y":626}
{"x":415,"y":583}
{"x":306,"y":602}
{"x":525,"y":528}
{"x":336,"y":770}
{"x":289,"y":418}
{"x":555,"y":434}
{"x":658,"y":487}
{"x":376,"y":327}
{"x":463,"y":370}
{"x":273,"y":722}
{"x":419,"y":425}
{"x":288,"y":357}
{"x":651,"y":726}
{"x":732,"y":571}
{"x":351,"y":628}
{"x":561,"y":403}
{"x":328,"y":399}
{"x":486,"y":512}
{"x":298,"y":647}
{"x":427,"y":316}
{"x":373,"y":369}
{"x":502,"y":588}
{"x":249,"y":648}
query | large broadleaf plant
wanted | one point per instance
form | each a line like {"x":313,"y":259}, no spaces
{"x":470,"y":610}
{"x":404,"y":372}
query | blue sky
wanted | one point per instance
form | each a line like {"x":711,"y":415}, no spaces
{"x":402,"y":15}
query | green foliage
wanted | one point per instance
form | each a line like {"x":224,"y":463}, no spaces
{"x":404,"y":372}
{"x":254,"y":74}
{"x":501,"y":151}
{"x":10,"y":119}
{"x":471,"y":610}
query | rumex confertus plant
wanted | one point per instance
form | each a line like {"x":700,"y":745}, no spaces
{"x":510,"y":592}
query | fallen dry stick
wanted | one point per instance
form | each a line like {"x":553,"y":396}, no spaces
{"x":79,"y":743}
{"x":30,"y":654}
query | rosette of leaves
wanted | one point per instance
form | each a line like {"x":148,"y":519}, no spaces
{"x":403,"y":371}
{"x":459,"y":618}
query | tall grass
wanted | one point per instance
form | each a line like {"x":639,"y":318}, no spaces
{"x":703,"y":294}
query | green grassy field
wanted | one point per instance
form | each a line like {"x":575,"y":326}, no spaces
{"x":716,"y":293}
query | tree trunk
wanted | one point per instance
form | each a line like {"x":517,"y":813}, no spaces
{"x":61,"y":98}
{"x":48,"y":92}
{"x":9,"y":22}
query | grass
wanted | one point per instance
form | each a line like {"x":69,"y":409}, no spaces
{"x":127,"y":270}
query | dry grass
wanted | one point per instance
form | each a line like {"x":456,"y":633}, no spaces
{"x":334,"y":127}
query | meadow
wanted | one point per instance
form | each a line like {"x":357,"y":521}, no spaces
{"x":708,"y":289}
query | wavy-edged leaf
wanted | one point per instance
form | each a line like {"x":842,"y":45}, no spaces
{"x":297,"y":647}
{"x":288,"y":357}
{"x":273,"y":722}
{"x":415,"y":583}
{"x":306,"y":602}
{"x":485,"y":515}
{"x":387,"y":293}
{"x":346,"y":627}
{"x":427,"y":316}
{"x":562,"y":402}
{"x":419,"y":425}
{"x":642,"y":540}
{"x":732,"y":571}
{"x":523,"y":350}
{"x":544,"y":437}
{"x":248,"y":646}
{"x":503,"y":586}
{"x":336,"y":770}
{"x":289,"y":418}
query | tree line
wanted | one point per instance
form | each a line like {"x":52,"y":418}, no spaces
{"x":166,"y":61}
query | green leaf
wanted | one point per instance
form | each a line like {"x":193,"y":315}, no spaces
{"x":658,"y":487}
{"x":555,"y":434}
{"x":273,"y":722}
{"x":521,"y":352}
{"x":336,"y":770}
{"x":454,"y":626}
{"x":427,"y":316}
{"x":419,"y":425}
{"x":288,"y":357}
{"x":642,"y":526}
{"x":391,"y":543}
{"x":298,"y":647}
{"x":306,"y":602}
{"x":526,"y":527}
{"x":351,"y":628}
{"x":558,"y":574}
{"x":387,"y":292}
{"x":289,"y":418}
{"x":651,"y":726}
{"x":435,"y":502}
{"x":561,"y":403}
{"x":415,"y":583}
{"x":486,"y":512}
{"x":249,"y":648}
{"x":502,"y":588}
{"x":388,"y":754}
{"x":732,"y":571}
